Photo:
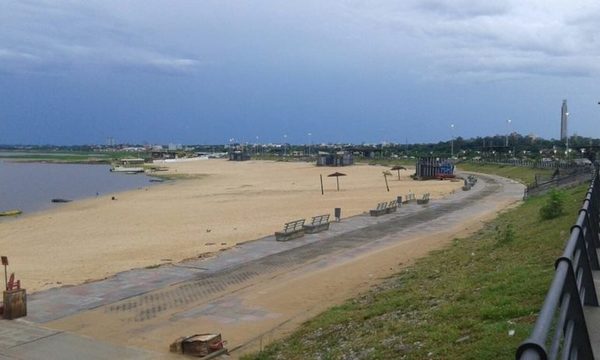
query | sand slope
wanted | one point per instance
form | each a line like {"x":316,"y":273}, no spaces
{"x":231,"y":202}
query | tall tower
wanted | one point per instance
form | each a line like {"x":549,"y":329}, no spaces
{"x":564,"y":113}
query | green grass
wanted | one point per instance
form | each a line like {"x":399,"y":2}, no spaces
{"x":524,"y":175}
{"x":65,"y":157}
{"x":57,"y":157}
{"x":456,"y":303}
{"x":389,"y":162}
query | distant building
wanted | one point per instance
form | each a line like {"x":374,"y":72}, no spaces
{"x":238,"y":153}
{"x":564,"y":116}
{"x":432,"y":168}
{"x":340,"y":158}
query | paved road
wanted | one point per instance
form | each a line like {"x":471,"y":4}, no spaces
{"x":148,"y":307}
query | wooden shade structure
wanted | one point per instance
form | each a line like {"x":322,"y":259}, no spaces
{"x":337,"y":178}
{"x":398,"y":168}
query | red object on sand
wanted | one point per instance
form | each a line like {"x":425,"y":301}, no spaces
{"x":12,"y":284}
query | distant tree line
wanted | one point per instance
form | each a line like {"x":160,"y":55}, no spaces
{"x":498,"y":146}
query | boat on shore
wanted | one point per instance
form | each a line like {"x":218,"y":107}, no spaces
{"x":11,"y":212}
{"x":129,"y":166}
{"x":61,"y":200}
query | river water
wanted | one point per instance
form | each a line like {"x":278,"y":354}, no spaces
{"x":31,"y":186}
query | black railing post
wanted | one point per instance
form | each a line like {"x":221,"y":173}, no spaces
{"x":591,"y":239}
{"x":581,"y":338}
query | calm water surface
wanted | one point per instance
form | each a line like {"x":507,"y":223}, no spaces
{"x":31,"y":186}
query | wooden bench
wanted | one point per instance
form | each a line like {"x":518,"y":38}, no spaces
{"x":380,"y":210}
{"x":291,"y":230}
{"x":424,"y":200}
{"x":410,"y":197}
{"x":317,"y":224}
{"x":392,"y":207}
{"x":466,"y":185}
{"x":472,"y":180}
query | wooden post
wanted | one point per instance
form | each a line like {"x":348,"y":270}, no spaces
{"x":337,"y":178}
{"x":386,"y":183}
{"x":322,"y":192}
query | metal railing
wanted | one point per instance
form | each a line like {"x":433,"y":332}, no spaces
{"x":575,"y":177}
{"x":560,"y":330}
{"x":538,"y":164}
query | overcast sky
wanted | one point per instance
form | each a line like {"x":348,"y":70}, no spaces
{"x":75,"y":72}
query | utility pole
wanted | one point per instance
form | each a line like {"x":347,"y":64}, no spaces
{"x":452,"y":141}
{"x":508,"y":132}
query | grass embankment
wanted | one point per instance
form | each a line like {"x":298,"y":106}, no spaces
{"x":388,"y":162}
{"x":457,"y":303}
{"x":68,"y":157}
{"x":522,"y":174}
{"x":71,"y":157}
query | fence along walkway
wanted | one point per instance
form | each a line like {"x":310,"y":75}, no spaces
{"x":561,"y":330}
{"x":576,"y":176}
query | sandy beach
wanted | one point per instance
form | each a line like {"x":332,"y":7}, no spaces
{"x":216,"y":206}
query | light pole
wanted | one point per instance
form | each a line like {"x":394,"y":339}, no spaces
{"x":452,"y":141}
{"x":508,"y":131}
{"x":309,"y":143}
{"x":567,"y":136}
{"x":284,"y":147}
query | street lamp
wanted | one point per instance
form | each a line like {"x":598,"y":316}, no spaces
{"x":257,"y":148}
{"x":508,"y":126}
{"x":284,"y":147}
{"x":452,"y":141}
{"x":309,"y":143}
{"x":567,"y":135}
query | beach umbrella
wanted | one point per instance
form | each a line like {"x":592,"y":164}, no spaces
{"x":337,"y":178}
{"x":398,"y":167}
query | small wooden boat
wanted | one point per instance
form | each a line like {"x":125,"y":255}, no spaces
{"x":61,"y":200}
{"x":10,"y":212}
{"x":157,"y":180}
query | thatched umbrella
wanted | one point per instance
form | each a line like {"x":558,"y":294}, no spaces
{"x":398,"y":167}
{"x":337,"y":178}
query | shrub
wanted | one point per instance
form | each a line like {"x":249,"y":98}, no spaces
{"x":506,"y":235}
{"x":554,"y":207}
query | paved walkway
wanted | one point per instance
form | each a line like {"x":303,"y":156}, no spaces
{"x":21,"y":340}
{"x":141,"y":306}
